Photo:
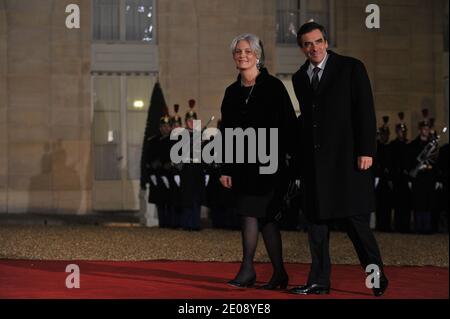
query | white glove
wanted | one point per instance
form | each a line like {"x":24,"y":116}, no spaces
{"x":165,"y":181}
{"x":439,"y":186}
{"x":410,"y":185}
{"x":297,"y":183}
{"x":176,"y":178}
{"x":153,"y":178}
{"x":206,"y":180}
{"x":377,"y":180}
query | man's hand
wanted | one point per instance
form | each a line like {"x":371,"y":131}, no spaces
{"x":364,"y":162}
{"x":225,"y":181}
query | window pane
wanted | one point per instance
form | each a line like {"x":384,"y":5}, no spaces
{"x":139,"y":91}
{"x":106,"y":93}
{"x":106,"y":127}
{"x":319,"y":10}
{"x":288,"y":16}
{"x":292,"y":14}
{"x":134,"y":162}
{"x":106,"y":163}
{"x":139,"y":20}
{"x":106,"y":20}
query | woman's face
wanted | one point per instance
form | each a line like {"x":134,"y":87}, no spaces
{"x":243,"y":56}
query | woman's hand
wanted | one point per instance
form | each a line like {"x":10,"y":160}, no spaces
{"x":225,"y":181}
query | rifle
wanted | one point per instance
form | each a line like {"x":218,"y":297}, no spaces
{"x":209,"y":122}
{"x":427,"y":155}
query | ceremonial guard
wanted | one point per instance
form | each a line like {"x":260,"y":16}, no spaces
{"x":443,"y":191}
{"x":156,"y":168}
{"x":423,"y":180}
{"x":401,"y":192}
{"x":220,"y":200}
{"x":176,"y":120}
{"x":191,"y":179}
{"x":383,"y":182}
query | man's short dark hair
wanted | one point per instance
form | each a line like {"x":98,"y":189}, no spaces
{"x":307,"y":28}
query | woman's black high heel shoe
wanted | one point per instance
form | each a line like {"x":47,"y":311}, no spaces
{"x":281,"y":282}
{"x":243,"y":284}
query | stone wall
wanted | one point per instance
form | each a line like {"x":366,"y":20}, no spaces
{"x":48,"y":109}
{"x":404,"y":57}
{"x":194,"y":39}
{"x":45,"y":82}
{"x":3,"y":109}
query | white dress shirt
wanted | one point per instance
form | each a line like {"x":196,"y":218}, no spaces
{"x":321,"y":66}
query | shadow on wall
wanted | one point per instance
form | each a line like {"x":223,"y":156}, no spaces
{"x":57,"y":189}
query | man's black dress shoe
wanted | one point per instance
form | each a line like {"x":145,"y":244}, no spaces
{"x":313,"y":289}
{"x":243,"y":284}
{"x":281,"y":282}
{"x":384,"y":282}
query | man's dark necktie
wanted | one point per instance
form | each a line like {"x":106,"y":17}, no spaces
{"x":315,"y":78}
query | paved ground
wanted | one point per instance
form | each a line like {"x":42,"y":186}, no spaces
{"x":89,"y":242}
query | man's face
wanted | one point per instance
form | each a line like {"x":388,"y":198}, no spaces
{"x":190,"y":124}
{"x":314,"y":46}
{"x":401,"y":134}
{"x":425,"y":131}
{"x":384,"y":137}
{"x":165,"y":129}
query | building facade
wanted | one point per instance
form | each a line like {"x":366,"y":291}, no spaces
{"x":73,"y":102}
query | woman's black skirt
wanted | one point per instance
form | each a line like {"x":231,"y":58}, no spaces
{"x":254,"y":205}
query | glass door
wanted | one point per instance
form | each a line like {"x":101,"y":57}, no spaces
{"x":120,"y":104}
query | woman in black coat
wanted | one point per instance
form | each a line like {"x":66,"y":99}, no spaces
{"x":257,"y":101}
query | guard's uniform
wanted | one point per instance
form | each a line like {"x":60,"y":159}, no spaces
{"x":423,"y":188}
{"x":192,"y":183}
{"x":383,"y":191}
{"x":401,"y":192}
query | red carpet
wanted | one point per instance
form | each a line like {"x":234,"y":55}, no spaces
{"x":193,"y":280}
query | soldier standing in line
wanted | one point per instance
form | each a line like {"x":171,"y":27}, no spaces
{"x":175,"y":120}
{"x":221,"y":200}
{"x":435,"y":212}
{"x":383,"y":182}
{"x":443,"y":193}
{"x":401,"y":192}
{"x":160,"y":163}
{"x":191,"y":180}
{"x":423,"y":184}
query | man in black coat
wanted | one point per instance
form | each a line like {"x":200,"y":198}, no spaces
{"x":337,"y":147}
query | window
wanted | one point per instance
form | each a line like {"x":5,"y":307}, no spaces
{"x":291,"y":14}
{"x":120,"y":113}
{"x":123,"y":20}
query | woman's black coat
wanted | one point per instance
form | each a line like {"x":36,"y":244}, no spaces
{"x":269,"y":106}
